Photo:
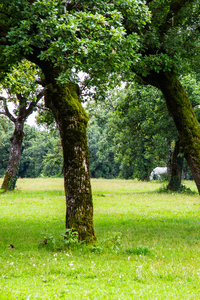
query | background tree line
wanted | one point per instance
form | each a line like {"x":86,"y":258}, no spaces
{"x":133,"y":132}
{"x":41,"y":152}
{"x":126,"y":138}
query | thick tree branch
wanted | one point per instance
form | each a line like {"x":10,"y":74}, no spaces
{"x":43,"y":108}
{"x":33,"y":104}
{"x":2,"y":113}
{"x":6,"y":110}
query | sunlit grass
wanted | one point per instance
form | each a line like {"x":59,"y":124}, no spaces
{"x":166,"y":225}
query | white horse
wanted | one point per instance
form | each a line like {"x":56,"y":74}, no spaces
{"x":158,"y":171}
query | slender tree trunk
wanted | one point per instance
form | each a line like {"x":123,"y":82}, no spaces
{"x":176,"y":168}
{"x":11,"y":174}
{"x":64,"y":101}
{"x":181,"y":110}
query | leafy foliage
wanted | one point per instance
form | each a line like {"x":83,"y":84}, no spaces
{"x":41,"y":153}
{"x":100,"y":142}
{"x":171,"y":41}
{"x":38,"y":154}
{"x":74,"y":36}
{"x":47,"y":238}
{"x":134,"y":125}
{"x":142,"y":131}
{"x":70,"y":237}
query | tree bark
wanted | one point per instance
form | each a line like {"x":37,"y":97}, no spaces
{"x":11,"y":174}
{"x":64,"y":101}
{"x":180,"y":108}
{"x":176,"y":168}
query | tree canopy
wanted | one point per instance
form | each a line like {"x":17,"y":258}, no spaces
{"x":73,"y":36}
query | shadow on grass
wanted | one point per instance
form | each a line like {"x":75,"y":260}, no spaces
{"x":182,"y":190}
{"x":161,"y":190}
{"x":152,"y":230}
{"x":30,"y":193}
{"x":27,"y":234}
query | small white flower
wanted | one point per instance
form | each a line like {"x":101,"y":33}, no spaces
{"x":12,"y":263}
{"x":129,"y":258}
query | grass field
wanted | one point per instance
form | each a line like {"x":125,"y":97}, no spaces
{"x":148,"y":243}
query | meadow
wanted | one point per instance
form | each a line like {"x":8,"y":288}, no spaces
{"x":148,"y":243}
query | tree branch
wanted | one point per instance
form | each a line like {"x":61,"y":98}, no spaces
{"x":2,"y":113}
{"x":6,"y":110}
{"x":43,"y":108}
{"x":33,"y":104}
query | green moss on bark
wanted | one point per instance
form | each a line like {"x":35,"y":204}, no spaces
{"x":181,"y":110}
{"x":64,"y":101}
{"x":6,"y":182}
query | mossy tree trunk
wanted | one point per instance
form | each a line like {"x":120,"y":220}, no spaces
{"x":180,"y":108}
{"x":11,"y":174}
{"x":64,"y":101}
{"x":176,"y":167}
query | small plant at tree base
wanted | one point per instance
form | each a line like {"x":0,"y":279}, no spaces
{"x":47,"y":237}
{"x":95,"y":249}
{"x":182,"y":190}
{"x":114,"y":241}
{"x":70,"y":237}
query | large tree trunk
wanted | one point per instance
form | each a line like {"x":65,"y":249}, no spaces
{"x":11,"y":174}
{"x":176,"y":167}
{"x":181,"y":110}
{"x":64,"y":101}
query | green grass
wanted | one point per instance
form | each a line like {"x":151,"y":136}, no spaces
{"x":148,"y":243}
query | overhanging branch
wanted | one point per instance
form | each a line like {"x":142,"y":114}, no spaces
{"x":32,"y":105}
{"x":6,"y":110}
